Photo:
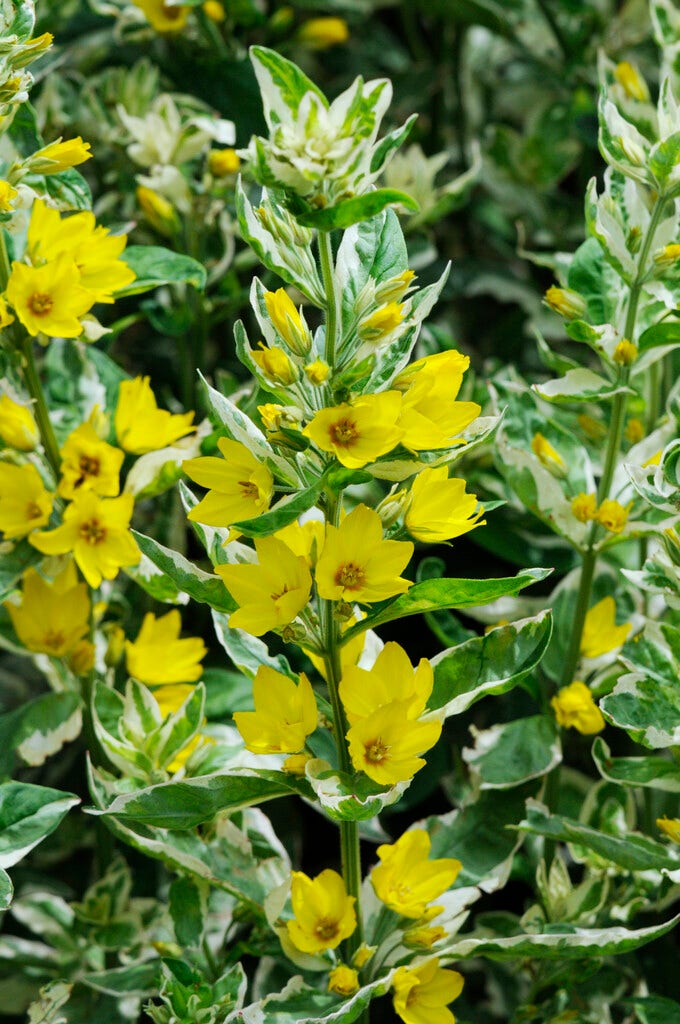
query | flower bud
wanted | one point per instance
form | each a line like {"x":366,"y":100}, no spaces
{"x":275,"y":364}
{"x":395,"y":288}
{"x":318,"y":371}
{"x":343,"y":980}
{"x":322,"y":33}
{"x":295,"y":763}
{"x":667,"y":257}
{"x":634,"y":153}
{"x":612,"y":515}
{"x":222,"y":162}
{"x":632,"y":82}
{"x":625,"y":353}
{"x":381,"y":323}
{"x":635,"y":430}
{"x":59,"y":156}
{"x":288,"y":321}
{"x":214,"y":10}
{"x":566,"y":302}
{"x":81,"y":658}
{"x":548,"y":456}
{"x":584,"y":507}
{"x":160,"y":213}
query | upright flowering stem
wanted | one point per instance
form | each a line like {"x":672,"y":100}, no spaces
{"x":615,"y":435}
{"x":332,"y":297}
{"x":349,"y":830}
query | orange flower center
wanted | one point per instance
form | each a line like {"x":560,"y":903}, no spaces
{"x":343,"y":433}
{"x":40,"y":303}
{"x":350,"y":576}
{"x":376,"y":751}
{"x":171,"y":10}
{"x":92,"y":532}
{"x":88,"y":465}
{"x":53,"y":639}
{"x":326,"y":929}
{"x":249,"y":490}
{"x":33,"y":510}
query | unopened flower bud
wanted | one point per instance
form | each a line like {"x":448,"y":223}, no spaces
{"x":160,"y":213}
{"x":667,"y":257}
{"x":381,"y":323}
{"x":424,"y":937}
{"x":671,"y":542}
{"x":584,"y":507}
{"x":363,"y":955}
{"x":295,"y":763}
{"x":81,"y":658}
{"x":625,"y":353}
{"x":275,"y":364}
{"x":343,"y":611}
{"x":214,"y":10}
{"x":592,"y":428}
{"x":222,"y":162}
{"x":394,"y":289}
{"x":635,"y":430}
{"x":548,"y":456}
{"x":59,"y":156}
{"x":322,"y":33}
{"x":115,"y":646}
{"x":318,"y":371}
{"x":392,"y":508}
{"x":633,"y":152}
{"x":632,"y":82}
{"x":294,"y":633}
{"x":612,"y":515}
{"x":566,"y":302}
{"x":343,"y":980}
{"x":288,"y":321}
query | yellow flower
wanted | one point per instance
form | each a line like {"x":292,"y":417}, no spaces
{"x":600,"y":632}
{"x":53,"y":617}
{"x":392,"y":678}
{"x":239,"y":486}
{"x":547,"y":455}
{"x":295,"y":764}
{"x":612,"y":515}
{"x":271,"y":594}
{"x":275,"y":364}
{"x":422,"y":994}
{"x":592,"y":428}
{"x":81,"y":658}
{"x":625,"y":353}
{"x":668,"y":256}
{"x":653,"y":460}
{"x":406,"y":880}
{"x":322,"y":33}
{"x":97,"y":531}
{"x":284,"y":716}
{"x":49,"y":299}
{"x":6,"y":317}
{"x":363,"y":955}
{"x":324,"y":913}
{"x":94,"y":250}
{"x":222,"y":162}
{"x":584,"y":507}
{"x":395,"y":288}
{"x":18,"y":429}
{"x":59,"y":156}
{"x":288,"y":321}
{"x":566,"y":302}
{"x":343,"y":980}
{"x":317,"y":372}
{"x":382,"y":323}
{"x":424,"y":936}
{"x":574,"y":706}
{"x":164,"y":16}
{"x":635,"y":430}
{"x":439,"y":509}
{"x":357,"y":434}
{"x":634,"y":85}
{"x":158,"y":210}
{"x":158,"y":656}
{"x":89,"y":464}
{"x":670,"y":827}
{"x":25,"y":504}
{"x":140,"y":425}
{"x":356,"y":564}
{"x":431,"y":417}
{"x":385,"y":745}
{"x":7,"y":196}
{"x":214,"y":10}
{"x":304,"y":539}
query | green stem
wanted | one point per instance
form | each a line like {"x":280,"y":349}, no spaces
{"x":332,"y":297}
{"x":25,"y":344}
{"x":349,"y":830}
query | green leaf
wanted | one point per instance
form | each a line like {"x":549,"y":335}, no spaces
{"x":489,"y":664}
{"x":22,"y":22}
{"x":655,"y":772}
{"x":350,"y":211}
{"x":14,"y":563}
{"x":655,"y":1010}
{"x":39,"y":728}
{"x":390,"y":142}
{"x":592,"y":277}
{"x":284,"y":512}
{"x":299,"y":1003}
{"x":28,"y":814}
{"x":560,"y":942}
{"x":647,"y":708}
{"x":6,"y":890}
{"x":189,"y":802}
{"x":665,"y":157}
{"x":188,"y":578}
{"x":350,"y":797}
{"x":581,"y":385}
{"x":187,"y":904}
{"x":246,"y":651}
{"x":633,"y":852}
{"x":514,"y":752}
{"x":139,"y":979}
{"x":154,"y":265}
{"x":69,"y":190}
{"x":666,"y":333}
{"x":478,"y":835}
{"x":282,"y":85}
{"x":450,"y":593}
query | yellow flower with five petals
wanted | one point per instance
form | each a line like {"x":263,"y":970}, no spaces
{"x":324,"y":913}
{"x":140,"y":425}
{"x":54,"y":615}
{"x":239,"y":485}
{"x":25,"y":503}
{"x":407,"y":880}
{"x":285,"y":714}
{"x":159,"y":657}
{"x":358,"y":433}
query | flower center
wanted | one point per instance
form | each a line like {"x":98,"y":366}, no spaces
{"x":376,"y":751}
{"x":343,"y":433}
{"x":171,"y":10}
{"x":249,"y":490}
{"x":350,"y":576}
{"x":53,"y":639}
{"x":326,"y":929}
{"x":88,"y":465}
{"x":33,"y":510}
{"x":92,"y":532}
{"x":40,"y":303}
